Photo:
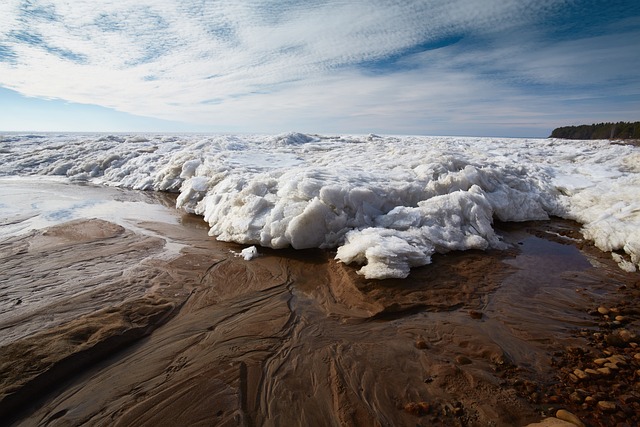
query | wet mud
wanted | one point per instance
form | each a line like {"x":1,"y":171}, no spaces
{"x":101,"y":325}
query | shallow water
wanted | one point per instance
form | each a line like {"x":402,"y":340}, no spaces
{"x":28,"y":203}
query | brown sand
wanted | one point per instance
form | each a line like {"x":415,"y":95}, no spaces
{"x":292,"y":337}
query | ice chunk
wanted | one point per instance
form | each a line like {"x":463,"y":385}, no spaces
{"x":406,"y":237}
{"x":249,"y":253}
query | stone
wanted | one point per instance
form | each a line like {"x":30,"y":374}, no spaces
{"x":620,"y":318}
{"x":626,"y":335}
{"x":580,"y":374}
{"x":617,"y":359}
{"x":418,"y":409}
{"x":604,"y":371}
{"x":636,"y":356}
{"x":574,"y":397}
{"x":589,"y":400}
{"x":626,"y":399}
{"x":591,"y":371}
{"x":611,"y":366}
{"x":475,"y":314}
{"x":606,"y":406}
{"x":551,"y":422}
{"x":565,"y":415}
{"x":600,"y":361}
{"x":603,"y":310}
{"x":421,"y":344}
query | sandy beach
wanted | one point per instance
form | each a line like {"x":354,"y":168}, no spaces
{"x":104,"y":325}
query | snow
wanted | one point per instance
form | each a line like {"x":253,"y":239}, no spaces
{"x":387,"y":203}
{"x":249,"y":253}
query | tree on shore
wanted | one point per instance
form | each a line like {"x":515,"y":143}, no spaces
{"x":620,"y":130}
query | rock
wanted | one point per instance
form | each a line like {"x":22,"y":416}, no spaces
{"x":417,"y":408}
{"x":475,"y":314}
{"x":591,"y":371}
{"x":604,"y":371}
{"x":611,"y":366}
{"x":606,"y":406}
{"x":551,"y":422}
{"x":582,"y":375}
{"x":463,"y":360}
{"x":626,"y":336}
{"x":589,"y":400}
{"x":636,"y":356}
{"x":603,"y":310}
{"x":600,"y":361}
{"x":574,"y":397}
{"x":569,"y":417}
{"x":620,"y":318}
{"x":617,"y":359}
{"x":626,"y":399}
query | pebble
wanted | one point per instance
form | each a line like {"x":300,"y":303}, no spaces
{"x":574,"y":397}
{"x":604,"y":371}
{"x":551,"y":422}
{"x":421,"y":344}
{"x":591,"y":371}
{"x":625,"y":335}
{"x":617,"y":359}
{"x":600,"y":362}
{"x":569,"y":417}
{"x":417,"y":408}
{"x":580,"y":374}
{"x":603,"y":310}
{"x":636,"y":356}
{"x":627,"y":399}
{"x":605,"y":405}
{"x":589,"y":400}
{"x":475,"y":314}
{"x":620,"y":318}
{"x":611,"y":366}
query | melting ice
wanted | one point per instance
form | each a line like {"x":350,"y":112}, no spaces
{"x":386,"y":203}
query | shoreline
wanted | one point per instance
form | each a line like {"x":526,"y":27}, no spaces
{"x":294,"y":336}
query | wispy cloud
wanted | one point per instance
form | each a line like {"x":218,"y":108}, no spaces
{"x":396,"y":66}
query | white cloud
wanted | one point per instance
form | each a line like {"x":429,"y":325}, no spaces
{"x":271,"y":65}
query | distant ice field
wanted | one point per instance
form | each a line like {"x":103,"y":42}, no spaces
{"x":387,"y":203}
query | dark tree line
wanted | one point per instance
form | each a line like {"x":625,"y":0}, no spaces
{"x":620,"y":130}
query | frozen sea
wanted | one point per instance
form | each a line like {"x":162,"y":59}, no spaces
{"x":385,"y":203}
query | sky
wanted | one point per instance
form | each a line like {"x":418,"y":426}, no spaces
{"x":431,"y":67}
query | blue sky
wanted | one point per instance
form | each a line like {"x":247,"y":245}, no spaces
{"x":432,"y":67}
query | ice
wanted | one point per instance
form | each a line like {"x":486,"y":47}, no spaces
{"x":387,"y":203}
{"x":249,"y":253}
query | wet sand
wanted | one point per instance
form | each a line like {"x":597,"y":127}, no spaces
{"x":155,"y":323}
